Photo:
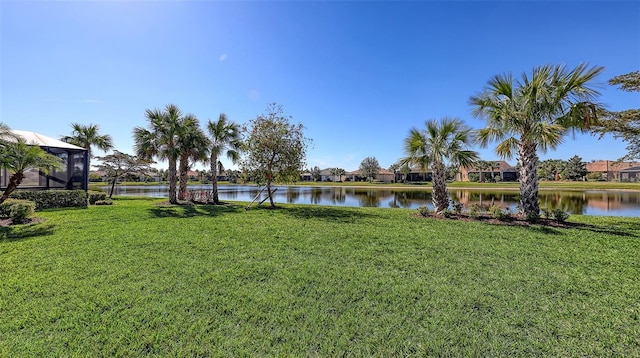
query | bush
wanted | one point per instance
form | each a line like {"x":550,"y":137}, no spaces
{"x":497,"y":213}
{"x":474,"y":177}
{"x":560,"y":215}
{"x":546,"y":213}
{"x":19,"y":211}
{"x":457,"y":208}
{"x":424,"y":211}
{"x":446,"y":213}
{"x":595,"y":176}
{"x":48,"y":199}
{"x":474,"y":211}
{"x":533,"y":217}
{"x":104,"y":202}
{"x":95,"y":196}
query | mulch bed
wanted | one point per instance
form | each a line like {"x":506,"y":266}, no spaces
{"x":514,"y":220}
{"x":8,"y":222}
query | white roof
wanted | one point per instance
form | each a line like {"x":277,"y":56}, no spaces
{"x":43,"y":140}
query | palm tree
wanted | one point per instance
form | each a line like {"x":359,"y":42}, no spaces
{"x":161,"y":141}
{"x":19,"y":157}
{"x":394,"y":168}
{"x":223,"y":136}
{"x":481,"y":165}
{"x":88,"y":137}
{"x":534,"y":114}
{"x":193,"y":145}
{"x":442,"y":142}
{"x":492,"y":166}
{"x":5,"y":132}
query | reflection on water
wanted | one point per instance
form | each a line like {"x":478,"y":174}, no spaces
{"x":619,"y":203}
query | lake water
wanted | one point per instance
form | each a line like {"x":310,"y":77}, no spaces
{"x":588,"y":202}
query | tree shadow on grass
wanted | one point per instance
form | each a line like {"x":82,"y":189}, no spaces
{"x":632,"y":230}
{"x":189,"y":210}
{"x":328,"y":213}
{"x":20,"y":232}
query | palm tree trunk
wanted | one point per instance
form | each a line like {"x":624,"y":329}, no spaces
{"x":184,"y":178}
{"x":14,"y":181}
{"x":173,"y":179}
{"x":440,"y":197}
{"x":214,"y":179}
{"x":528,"y":161}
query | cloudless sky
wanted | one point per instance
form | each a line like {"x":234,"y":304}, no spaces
{"x":357,"y":74}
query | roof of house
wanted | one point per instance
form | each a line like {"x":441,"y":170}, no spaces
{"x":609,"y":165}
{"x":631,"y":170}
{"x":381,"y":171}
{"x":41,"y":140}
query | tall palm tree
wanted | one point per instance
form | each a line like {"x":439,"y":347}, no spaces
{"x":492,"y":165}
{"x":193,"y":145}
{"x":534,"y":114}
{"x":18,"y":156}
{"x":224,"y":137}
{"x":87,"y":137}
{"x":481,"y":165}
{"x":439,"y":144}
{"x":161,"y":141}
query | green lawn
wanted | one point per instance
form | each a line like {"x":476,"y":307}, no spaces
{"x":137,"y":278}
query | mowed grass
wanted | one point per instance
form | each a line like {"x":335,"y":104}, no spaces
{"x":138,"y":279}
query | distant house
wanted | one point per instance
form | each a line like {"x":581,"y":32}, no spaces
{"x":74,"y":173}
{"x":611,"y":170}
{"x":384,"y":176}
{"x":502,"y":169}
{"x":630,"y":174}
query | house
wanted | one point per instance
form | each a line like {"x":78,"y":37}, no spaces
{"x":612,"y":170}
{"x":383,"y":175}
{"x":74,"y":173}
{"x":502,"y":169}
{"x":630,"y":174}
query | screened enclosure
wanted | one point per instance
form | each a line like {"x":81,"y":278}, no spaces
{"x":74,"y":173}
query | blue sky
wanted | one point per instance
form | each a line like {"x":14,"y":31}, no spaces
{"x":357,"y":74}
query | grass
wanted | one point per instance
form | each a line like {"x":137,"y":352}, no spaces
{"x":544,"y":185}
{"x":142,"y":279}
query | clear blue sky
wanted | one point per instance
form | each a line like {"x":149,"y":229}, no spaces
{"x":357,"y":74}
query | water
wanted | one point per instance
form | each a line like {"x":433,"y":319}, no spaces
{"x":588,"y":202}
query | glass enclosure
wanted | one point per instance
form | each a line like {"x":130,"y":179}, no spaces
{"x":73,"y":174}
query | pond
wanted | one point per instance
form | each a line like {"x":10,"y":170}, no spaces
{"x":587,"y":202}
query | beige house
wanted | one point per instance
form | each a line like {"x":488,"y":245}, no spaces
{"x":612,"y":170}
{"x":384,"y":176}
{"x":502,"y":169}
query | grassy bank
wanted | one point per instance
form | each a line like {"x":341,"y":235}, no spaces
{"x":544,"y":185}
{"x":139,"y":279}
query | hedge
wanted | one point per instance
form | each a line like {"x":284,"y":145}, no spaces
{"x":48,"y":199}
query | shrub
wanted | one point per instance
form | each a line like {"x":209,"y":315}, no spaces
{"x":104,"y":202}
{"x":457,"y":208}
{"x":546,"y":213}
{"x":446,"y":213}
{"x":560,"y":215}
{"x":95,"y":196}
{"x":19,"y":211}
{"x":594,"y":176}
{"x":423,"y":210}
{"x":497,"y":212}
{"x":48,"y":199}
{"x":533,"y":217}
{"x":474,"y":177}
{"x":474,"y":211}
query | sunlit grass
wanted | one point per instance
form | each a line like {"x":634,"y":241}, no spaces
{"x":139,"y":278}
